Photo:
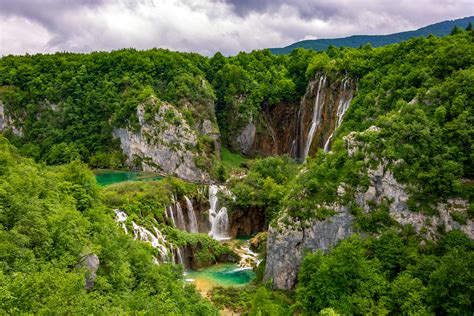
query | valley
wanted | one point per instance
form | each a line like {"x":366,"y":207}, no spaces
{"x":332,"y":183}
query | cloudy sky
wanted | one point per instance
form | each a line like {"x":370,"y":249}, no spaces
{"x":205,"y":26}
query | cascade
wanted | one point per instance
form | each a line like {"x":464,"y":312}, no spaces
{"x":158,"y":242}
{"x":121,"y":217}
{"x":193,"y":226}
{"x":179,"y":216}
{"x":316,"y":119}
{"x":180,"y":256}
{"x":218,"y":219}
{"x":345,"y":99}
{"x":170,"y":210}
{"x":248,"y":258}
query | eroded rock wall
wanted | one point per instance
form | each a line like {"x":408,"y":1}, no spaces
{"x":166,"y":143}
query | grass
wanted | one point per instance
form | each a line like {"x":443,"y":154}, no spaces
{"x":231,"y":160}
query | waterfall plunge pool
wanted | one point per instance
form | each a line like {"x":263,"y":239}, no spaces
{"x":221,"y":274}
{"x":108,"y":177}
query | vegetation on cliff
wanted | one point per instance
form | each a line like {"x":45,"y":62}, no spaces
{"x":50,"y":218}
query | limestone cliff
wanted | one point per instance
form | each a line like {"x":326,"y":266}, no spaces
{"x":7,"y":123}
{"x":297,"y":129}
{"x":289,"y":239}
{"x":166,"y":143}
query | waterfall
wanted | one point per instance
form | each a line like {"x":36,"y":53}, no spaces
{"x":193,"y":226}
{"x":158,"y":241}
{"x":180,"y":256}
{"x":344,"y":102}
{"x":121,"y":217}
{"x":170,"y":210}
{"x":316,"y":120}
{"x":218,"y":219}
{"x":248,"y":258}
{"x":179,"y":216}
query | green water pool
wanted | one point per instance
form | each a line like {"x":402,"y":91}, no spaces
{"x":108,"y":177}
{"x":222,"y":274}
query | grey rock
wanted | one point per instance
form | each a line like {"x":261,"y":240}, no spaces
{"x":90,"y":263}
{"x":287,"y":243}
{"x":163,"y":145}
{"x":6,"y":122}
{"x":246,"y":138}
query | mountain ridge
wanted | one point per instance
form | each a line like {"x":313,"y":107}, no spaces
{"x":438,"y":29}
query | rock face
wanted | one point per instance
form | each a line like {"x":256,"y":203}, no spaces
{"x":297,"y":129}
{"x":287,"y":243}
{"x":90,"y":263}
{"x":6,"y":122}
{"x":165,"y":142}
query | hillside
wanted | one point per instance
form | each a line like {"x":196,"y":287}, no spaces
{"x":437,"y":29}
{"x":341,"y":181}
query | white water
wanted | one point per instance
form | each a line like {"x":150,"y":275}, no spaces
{"x":170,"y":209}
{"x":179,"y":216}
{"x":218,"y":219}
{"x":248,"y":258}
{"x":121,"y":217}
{"x":193,"y":226}
{"x":345,"y":101}
{"x":158,"y":241}
{"x":316,"y":120}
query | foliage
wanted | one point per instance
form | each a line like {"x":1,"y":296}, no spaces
{"x":392,"y":274}
{"x":52,"y":216}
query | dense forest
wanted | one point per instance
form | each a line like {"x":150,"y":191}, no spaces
{"x":412,"y":114}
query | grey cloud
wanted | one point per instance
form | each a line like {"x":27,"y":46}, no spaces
{"x":206,"y":26}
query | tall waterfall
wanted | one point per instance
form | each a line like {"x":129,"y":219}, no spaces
{"x":193,"y":225}
{"x":344,"y":102}
{"x":316,"y":119}
{"x":179,"y":216}
{"x":218,"y":219}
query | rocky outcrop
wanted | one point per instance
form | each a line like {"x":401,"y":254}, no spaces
{"x":7,"y":123}
{"x":296,"y":129}
{"x":288,"y":241}
{"x":165,"y":142}
{"x":90,"y":263}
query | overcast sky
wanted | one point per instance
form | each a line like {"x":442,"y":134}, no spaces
{"x":205,"y":26}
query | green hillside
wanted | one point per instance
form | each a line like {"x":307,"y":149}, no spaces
{"x":438,"y":29}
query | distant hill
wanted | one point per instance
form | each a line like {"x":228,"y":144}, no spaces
{"x":438,"y":29}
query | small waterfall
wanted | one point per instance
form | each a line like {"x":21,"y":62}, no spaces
{"x":121,"y":217}
{"x":170,"y":210}
{"x":316,"y":119}
{"x":180,"y":256}
{"x":218,"y":219}
{"x":248,"y":258}
{"x":158,"y":241}
{"x":193,"y":226}
{"x":179,"y":216}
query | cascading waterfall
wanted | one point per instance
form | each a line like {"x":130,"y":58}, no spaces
{"x":170,"y":210}
{"x":218,"y":219}
{"x":344,"y":102}
{"x":179,"y":216}
{"x":248,"y":258}
{"x":158,"y":241}
{"x":193,"y":226}
{"x":121,"y":217}
{"x":316,"y":119}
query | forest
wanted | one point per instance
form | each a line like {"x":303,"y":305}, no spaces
{"x":53,"y":215}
